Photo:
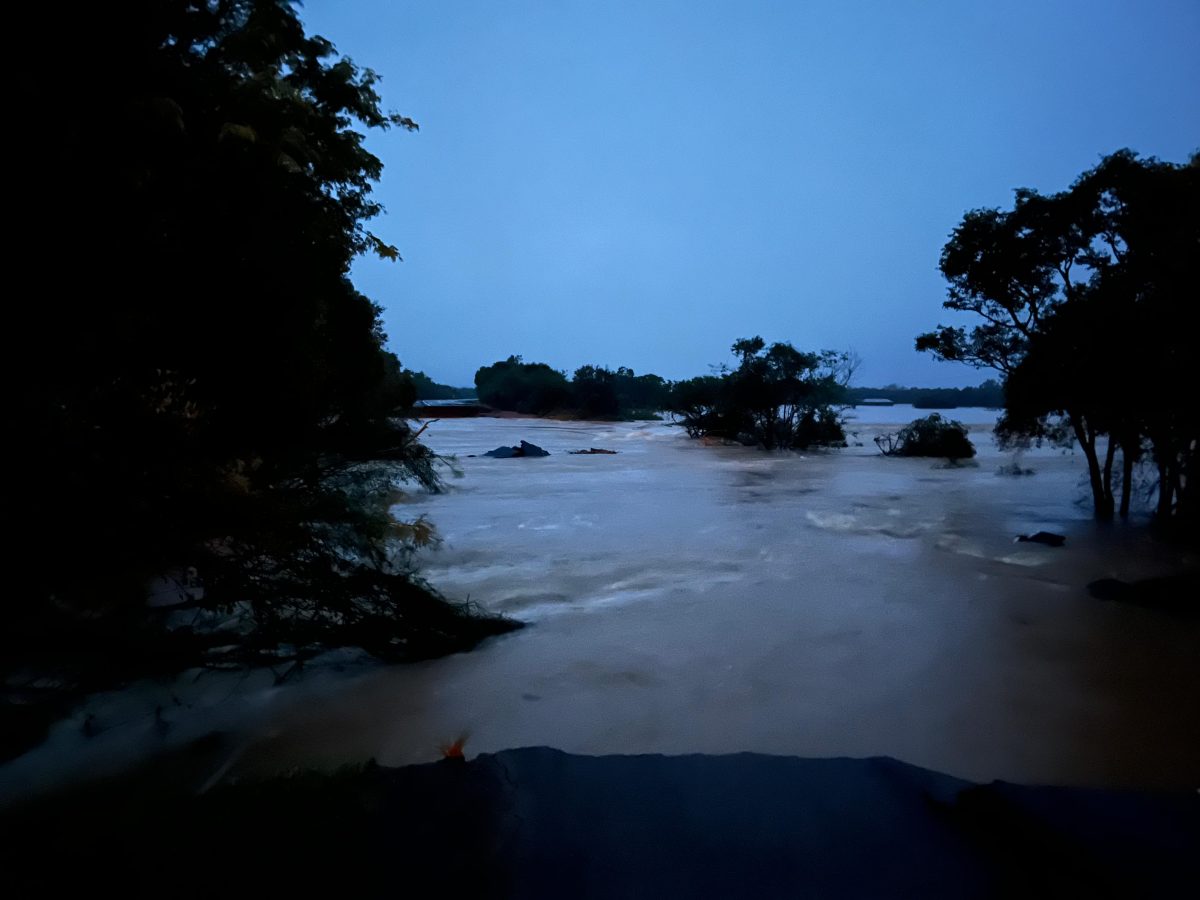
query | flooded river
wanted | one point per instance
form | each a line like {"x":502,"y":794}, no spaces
{"x":691,"y":598}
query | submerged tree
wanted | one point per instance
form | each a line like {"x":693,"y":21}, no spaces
{"x":930,"y":436}
{"x":777,"y":397}
{"x":1083,"y":298}
{"x":203,"y":384}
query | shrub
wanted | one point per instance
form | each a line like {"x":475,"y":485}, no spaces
{"x":930,"y":436}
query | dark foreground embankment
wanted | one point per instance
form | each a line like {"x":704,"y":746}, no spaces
{"x":541,"y":823}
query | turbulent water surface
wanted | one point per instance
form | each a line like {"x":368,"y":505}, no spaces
{"x":692,"y":598}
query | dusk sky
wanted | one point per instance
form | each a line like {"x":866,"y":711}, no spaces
{"x":641,"y":183}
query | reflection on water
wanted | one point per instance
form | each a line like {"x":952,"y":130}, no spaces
{"x":686,"y":598}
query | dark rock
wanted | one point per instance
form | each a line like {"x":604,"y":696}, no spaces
{"x":1049,"y":538}
{"x":504,"y":452}
{"x":590,"y":451}
{"x":526,"y":449}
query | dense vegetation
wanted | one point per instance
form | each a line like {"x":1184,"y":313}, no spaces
{"x":1086,"y":299}
{"x":600,"y":392}
{"x":595,"y":392}
{"x":990,"y":395}
{"x":777,"y":397}
{"x":203,"y":386}
{"x":516,"y":385}
{"x":930,"y":436}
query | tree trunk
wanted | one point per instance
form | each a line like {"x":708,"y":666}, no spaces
{"x":1087,"y":443}
{"x":1174,"y":471}
{"x":1110,"y":452}
{"x":1185,"y":483}
{"x":1165,"y":489}
{"x":1127,"y":459}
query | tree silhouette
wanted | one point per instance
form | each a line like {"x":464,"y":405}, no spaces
{"x":1084,"y":299}
{"x":777,"y":397}
{"x":201,"y":383}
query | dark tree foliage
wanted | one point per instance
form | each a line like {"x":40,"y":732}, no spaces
{"x":594,"y":393}
{"x":930,"y":436}
{"x":201,"y":383}
{"x":1070,"y":366}
{"x":600,"y":393}
{"x":777,"y":397}
{"x":1086,"y":299}
{"x":640,"y":396}
{"x":516,"y":385}
{"x":697,"y":405}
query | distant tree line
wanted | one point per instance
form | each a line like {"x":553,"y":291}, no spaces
{"x":990,"y":395}
{"x":776,"y":397}
{"x":425,"y":388}
{"x":594,"y":392}
{"x":706,"y":404}
{"x":1087,"y":300}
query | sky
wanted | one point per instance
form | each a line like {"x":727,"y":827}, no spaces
{"x":642,"y":183}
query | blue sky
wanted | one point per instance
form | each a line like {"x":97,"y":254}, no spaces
{"x":641,"y":183}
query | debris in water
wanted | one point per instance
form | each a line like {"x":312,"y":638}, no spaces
{"x":526,"y":449}
{"x":1049,"y":538}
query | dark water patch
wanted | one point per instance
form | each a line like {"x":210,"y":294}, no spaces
{"x":1170,"y":593}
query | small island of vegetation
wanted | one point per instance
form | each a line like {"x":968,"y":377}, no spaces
{"x":930,"y":436}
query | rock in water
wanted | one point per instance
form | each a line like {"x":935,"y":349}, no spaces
{"x":1049,"y":538}
{"x":526,"y":449}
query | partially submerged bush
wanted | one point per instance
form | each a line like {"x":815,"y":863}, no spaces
{"x":778,"y":398}
{"x":930,"y":436}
